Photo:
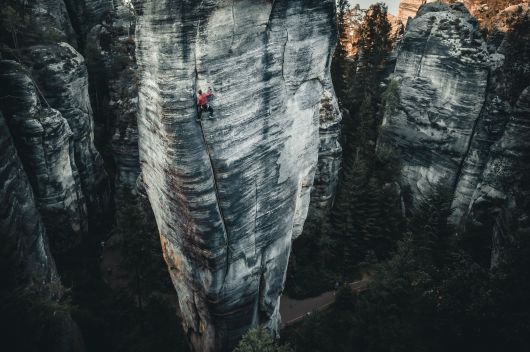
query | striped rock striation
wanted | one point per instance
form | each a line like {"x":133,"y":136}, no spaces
{"x":43,"y":139}
{"x":26,"y":257}
{"x":61,"y":75}
{"x":443,"y":77}
{"x":46,"y":104}
{"x":462,"y":118}
{"x":229,"y":194}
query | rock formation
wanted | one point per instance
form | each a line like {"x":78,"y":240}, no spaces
{"x":46,"y":103}
{"x":485,"y":11}
{"x":61,"y":74}
{"x":462,"y":115}
{"x":111,"y":61}
{"x":24,"y":244}
{"x":442,"y":78}
{"x":229,"y":194}
{"x":43,"y":138}
{"x":23,"y":227}
{"x":499,"y":204}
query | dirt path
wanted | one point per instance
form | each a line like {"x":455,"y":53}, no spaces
{"x":293,"y":311}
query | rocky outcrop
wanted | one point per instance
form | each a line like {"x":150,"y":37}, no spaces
{"x":85,"y":14}
{"x":112,"y":65}
{"x":485,"y":11}
{"x":44,"y":141}
{"x":24,"y":246}
{"x":499,"y":204}
{"x":20,"y":222}
{"x":51,"y":119}
{"x":61,"y":75}
{"x":442,"y":72}
{"x":462,"y":117}
{"x":329,"y":159}
{"x":230,"y":193}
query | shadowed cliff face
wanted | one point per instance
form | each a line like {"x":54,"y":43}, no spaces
{"x":23,"y":229}
{"x":26,"y":256}
{"x":44,"y":141}
{"x":230,"y":193}
{"x":463,"y":115}
{"x":47,"y":107}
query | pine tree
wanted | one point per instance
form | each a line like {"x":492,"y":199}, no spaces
{"x":339,"y":71}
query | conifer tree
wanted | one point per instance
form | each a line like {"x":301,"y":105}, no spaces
{"x":339,"y":69}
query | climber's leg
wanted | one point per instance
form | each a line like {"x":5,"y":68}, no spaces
{"x":210,"y":110}
{"x":199,"y":113}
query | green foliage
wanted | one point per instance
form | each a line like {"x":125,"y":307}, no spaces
{"x":339,"y":69}
{"x":430,"y":296}
{"x":259,"y":340}
{"x":139,"y":315}
{"x":374,"y":35}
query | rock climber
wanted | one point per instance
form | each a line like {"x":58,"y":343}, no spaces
{"x":202,"y":102}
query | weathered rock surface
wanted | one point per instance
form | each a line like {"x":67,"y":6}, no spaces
{"x":112,"y":65}
{"x":485,"y":11}
{"x":329,"y":158}
{"x":442,"y":73}
{"x":463,"y":114}
{"x":20,"y":223}
{"x":85,"y":14}
{"x":499,"y":204}
{"x":24,"y":241}
{"x":61,"y":74}
{"x":35,"y":22}
{"x":44,"y":141}
{"x":51,"y":119}
{"x":230,"y":193}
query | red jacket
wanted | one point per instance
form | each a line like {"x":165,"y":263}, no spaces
{"x":203,"y":98}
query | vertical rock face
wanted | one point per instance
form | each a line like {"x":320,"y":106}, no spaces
{"x":25,"y":244}
{"x":442,"y":73}
{"x":230,"y":193}
{"x":463,"y":117}
{"x":61,"y":74}
{"x":111,"y":61}
{"x":20,"y":223}
{"x":44,"y":140}
{"x":51,"y":119}
{"x":46,"y":19}
{"x":329,"y":159}
{"x":85,"y":14}
{"x":499,"y":203}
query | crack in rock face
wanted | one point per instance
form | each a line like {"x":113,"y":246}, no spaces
{"x":231,"y":192}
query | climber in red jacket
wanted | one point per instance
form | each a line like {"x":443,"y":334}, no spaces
{"x":202,"y":102}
